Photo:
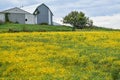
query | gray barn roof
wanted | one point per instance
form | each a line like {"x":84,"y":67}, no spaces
{"x":15,"y":10}
{"x":32,"y":8}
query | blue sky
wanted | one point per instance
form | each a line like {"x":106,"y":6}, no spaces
{"x":102,"y":12}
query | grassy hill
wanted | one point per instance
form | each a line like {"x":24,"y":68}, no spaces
{"x":43,"y":28}
{"x":60,"y":56}
{"x":31,"y":28}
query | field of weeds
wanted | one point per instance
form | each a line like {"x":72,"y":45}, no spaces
{"x":60,"y":56}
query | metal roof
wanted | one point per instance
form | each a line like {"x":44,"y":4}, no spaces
{"x":15,"y":10}
{"x":31,"y":9}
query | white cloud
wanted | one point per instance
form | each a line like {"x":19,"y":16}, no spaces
{"x":16,"y":2}
{"x":107,"y":21}
{"x":102,"y":21}
{"x":27,"y":2}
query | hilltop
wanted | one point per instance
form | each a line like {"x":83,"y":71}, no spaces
{"x":10,"y":27}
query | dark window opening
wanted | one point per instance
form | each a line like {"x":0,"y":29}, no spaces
{"x":25,"y":19}
{"x":37,"y":12}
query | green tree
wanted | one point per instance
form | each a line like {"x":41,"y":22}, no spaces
{"x":76,"y":19}
{"x":90,"y":23}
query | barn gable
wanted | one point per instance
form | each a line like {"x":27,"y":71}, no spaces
{"x":41,"y":6}
{"x":44,"y":14}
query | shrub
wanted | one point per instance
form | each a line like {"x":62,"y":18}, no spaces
{"x":44,"y":24}
{"x":25,"y":29}
{"x":16,"y":22}
{"x":41,"y":30}
{"x":1,"y":22}
{"x":13,"y":30}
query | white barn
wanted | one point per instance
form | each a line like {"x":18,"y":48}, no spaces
{"x":35,"y":14}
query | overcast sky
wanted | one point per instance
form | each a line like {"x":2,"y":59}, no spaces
{"x":102,"y":12}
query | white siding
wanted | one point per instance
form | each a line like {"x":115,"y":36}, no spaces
{"x":17,"y":17}
{"x":2,"y":17}
{"x":49,"y":17}
{"x":35,"y":19}
{"x":30,"y":19}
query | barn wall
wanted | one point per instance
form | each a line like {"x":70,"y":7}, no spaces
{"x":42,"y":17}
{"x":29,"y":19}
{"x":17,"y":17}
{"x":2,"y":17}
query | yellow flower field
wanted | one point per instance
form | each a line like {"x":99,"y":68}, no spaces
{"x":60,"y":56}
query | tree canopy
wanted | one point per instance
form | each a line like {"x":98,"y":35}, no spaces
{"x":77,"y":19}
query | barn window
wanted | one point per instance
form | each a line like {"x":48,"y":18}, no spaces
{"x":37,"y":12}
{"x":26,"y":20}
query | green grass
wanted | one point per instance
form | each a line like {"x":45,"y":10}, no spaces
{"x":10,"y":27}
{"x":31,"y":28}
{"x":96,"y":28}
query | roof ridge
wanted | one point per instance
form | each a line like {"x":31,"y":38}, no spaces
{"x":31,"y":8}
{"x":7,"y":11}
